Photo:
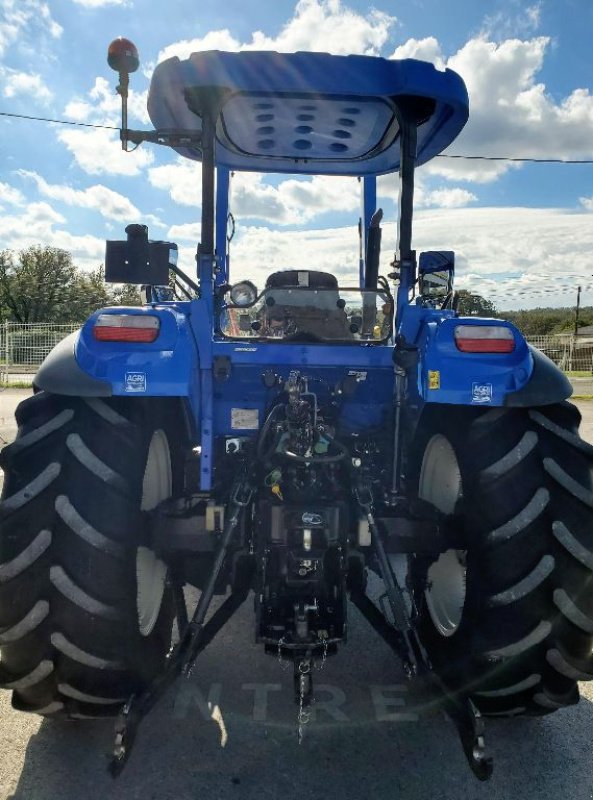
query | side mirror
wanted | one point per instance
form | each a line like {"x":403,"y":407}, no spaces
{"x":436,"y":269}
{"x":138,"y":260}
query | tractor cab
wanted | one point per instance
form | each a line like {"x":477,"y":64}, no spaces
{"x":303,"y":114}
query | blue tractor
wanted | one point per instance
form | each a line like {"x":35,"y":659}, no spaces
{"x":285,"y":441}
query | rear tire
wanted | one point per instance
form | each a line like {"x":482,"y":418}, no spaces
{"x":517,"y":633}
{"x":85,"y":613}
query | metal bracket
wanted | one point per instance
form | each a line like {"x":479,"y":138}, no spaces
{"x":471,"y":729}
{"x":170,"y":138}
{"x":459,"y":708}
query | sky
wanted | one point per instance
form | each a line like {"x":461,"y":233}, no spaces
{"x":522,"y":232}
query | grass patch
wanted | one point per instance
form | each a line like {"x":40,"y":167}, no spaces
{"x":16,"y":385}
{"x":579,"y":373}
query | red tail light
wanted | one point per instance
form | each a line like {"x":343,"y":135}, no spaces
{"x":484,"y":339}
{"x":141,"y":328}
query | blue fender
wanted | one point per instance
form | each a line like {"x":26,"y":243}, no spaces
{"x":169,"y":367}
{"x":522,"y":378}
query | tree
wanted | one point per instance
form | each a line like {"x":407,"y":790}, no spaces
{"x":89,"y":292}
{"x":37,"y":286}
{"x":128,"y":294}
{"x":42,"y":284}
{"x":471,"y":304}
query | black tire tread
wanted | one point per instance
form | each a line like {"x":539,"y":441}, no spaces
{"x":527,"y":500}
{"x":69,"y":640}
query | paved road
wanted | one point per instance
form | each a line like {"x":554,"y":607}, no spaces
{"x":582,"y":386}
{"x":388,"y":743}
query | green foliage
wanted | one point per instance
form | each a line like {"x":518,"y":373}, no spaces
{"x":38,"y":286}
{"x":546,"y":321}
{"x":474,"y":305}
{"x":128,"y":294}
{"x":41,"y":284}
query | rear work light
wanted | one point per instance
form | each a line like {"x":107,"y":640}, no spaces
{"x":126,"y":328}
{"x":484,"y":339}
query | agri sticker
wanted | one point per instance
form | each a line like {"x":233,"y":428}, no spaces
{"x":481,"y":393}
{"x":135,"y":382}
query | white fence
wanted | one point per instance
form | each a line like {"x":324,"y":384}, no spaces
{"x":571,"y":353}
{"x":23,"y":348}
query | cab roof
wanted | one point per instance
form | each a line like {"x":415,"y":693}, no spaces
{"x":309,"y":113}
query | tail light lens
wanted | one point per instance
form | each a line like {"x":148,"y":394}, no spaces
{"x":126,"y":328}
{"x":484,"y":339}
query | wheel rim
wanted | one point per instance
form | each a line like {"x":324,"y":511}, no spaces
{"x":440,"y":485}
{"x":151,"y":572}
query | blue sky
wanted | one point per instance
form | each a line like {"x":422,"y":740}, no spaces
{"x":523,"y":233}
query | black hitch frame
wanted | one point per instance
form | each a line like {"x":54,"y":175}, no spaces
{"x":401,"y":635}
{"x":420,"y":530}
{"x":195,"y":634}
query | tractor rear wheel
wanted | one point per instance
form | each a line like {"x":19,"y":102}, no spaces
{"x":85,"y":610}
{"x":510,"y":619}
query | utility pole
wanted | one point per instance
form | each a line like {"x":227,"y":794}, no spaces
{"x":576,"y":318}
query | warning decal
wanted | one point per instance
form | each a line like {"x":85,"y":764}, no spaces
{"x":434,"y":379}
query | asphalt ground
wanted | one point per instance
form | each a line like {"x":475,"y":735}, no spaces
{"x":230,"y":732}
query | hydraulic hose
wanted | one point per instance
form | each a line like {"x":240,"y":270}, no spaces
{"x":265,"y":429}
{"x":321,"y":459}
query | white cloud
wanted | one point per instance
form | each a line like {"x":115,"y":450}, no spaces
{"x":9,"y":194}
{"x":502,"y":252}
{"x":427,"y":49}
{"x":30,"y":84}
{"x":516,"y":256}
{"x":22,"y":17}
{"x":506,"y":24}
{"x":102,"y":106}
{"x":587,"y":203}
{"x":188,"y":232}
{"x":98,"y":152}
{"x":322,"y":25}
{"x":329,"y":26}
{"x":292,"y":201}
{"x":108,"y":203}
{"x":258,"y":251}
{"x":213,"y":40}
{"x":182,"y":179}
{"x":37,"y":224}
{"x":444,"y":198}
{"x":510,"y":111}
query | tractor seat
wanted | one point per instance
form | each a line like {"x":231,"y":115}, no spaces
{"x":280,"y":288}
{"x":301,"y":279}
{"x":318,"y":313}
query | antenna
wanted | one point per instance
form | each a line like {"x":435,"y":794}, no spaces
{"x":122,"y":56}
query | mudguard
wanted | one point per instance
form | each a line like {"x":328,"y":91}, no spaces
{"x":546,"y":385}
{"x":169,"y":367}
{"x":522,"y":378}
{"x":60,"y":374}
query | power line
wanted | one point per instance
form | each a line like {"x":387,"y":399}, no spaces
{"x":511,"y":159}
{"x":58,"y":121}
{"x":521,"y":159}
